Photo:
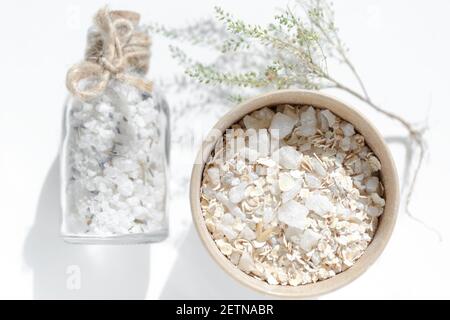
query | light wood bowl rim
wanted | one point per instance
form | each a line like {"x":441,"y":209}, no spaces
{"x":388,"y":175}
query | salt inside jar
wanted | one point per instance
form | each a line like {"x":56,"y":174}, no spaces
{"x":115,"y":148}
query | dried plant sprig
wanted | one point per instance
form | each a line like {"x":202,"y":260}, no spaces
{"x":293,"y":51}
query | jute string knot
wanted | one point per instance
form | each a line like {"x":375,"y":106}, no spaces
{"x":116,"y":49}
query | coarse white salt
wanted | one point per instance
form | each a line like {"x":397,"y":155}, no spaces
{"x":293,"y":214}
{"x":319,"y":204}
{"x":287,"y":157}
{"x":115,"y":165}
{"x":308,"y":122}
{"x":309,"y":239}
{"x":281,"y":125}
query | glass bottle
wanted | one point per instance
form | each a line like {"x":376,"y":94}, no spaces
{"x":114,"y":163}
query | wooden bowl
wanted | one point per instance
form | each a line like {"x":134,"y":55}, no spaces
{"x":388,"y":176}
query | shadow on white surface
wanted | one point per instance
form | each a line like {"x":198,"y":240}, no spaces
{"x":67,"y":271}
{"x":196,"y":276}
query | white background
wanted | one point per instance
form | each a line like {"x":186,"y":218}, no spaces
{"x":402,"y":50}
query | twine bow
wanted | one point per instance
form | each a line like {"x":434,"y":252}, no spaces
{"x":112,"y":51}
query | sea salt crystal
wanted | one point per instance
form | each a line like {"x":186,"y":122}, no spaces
{"x":374,"y":211}
{"x":297,"y":174}
{"x":372,"y":184}
{"x":344,"y":183}
{"x":288,"y":157}
{"x":228,"y":232}
{"x":125,"y":165}
{"x":228,"y":219}
{"x":311,"y":181}
{"x":291,"y":194}
{"x":331,"y":118}
{"x":282,"y":125}
{"x":342,"y":211}
{"x":125,"y":187}
{"x":309,"y":240}
{"x":268,"y":215}
{"x":319,"y":204}
{"x":133,"y":201}
{"x":253,"y":123}
{"x":308,"y":122}
{"x":264,"y":114}
{"x":214,"y":175}
{"x":345,"y":144}
{"x":248,"y":234}
{"x":293,"y":214}
{"x":290,"y":111}
{"x":237,"y":194}
{"x":348,"y":129}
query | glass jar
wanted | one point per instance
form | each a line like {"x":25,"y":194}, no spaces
{"x":115,"y":148}
{"x":114,"y":164}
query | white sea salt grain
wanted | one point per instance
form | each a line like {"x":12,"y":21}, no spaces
{"x":268,"y":215}
{"x":254,"y":123}
{"x":293,"y":214}
{"x":312,"y":182}
{"x":282,"y":125}
{"x":228,"y":219}
{"x":374,"y":211}
{"x":288,"y":157}
{"x":319,"y":204}
{"x":237,"y":194}
{"x":248,"y":234}
{"x":309,"y":240}
{"x":348,"y":129}
{"x":345,"y":144}
{"x":214,"y":176}
{"x":372,"y":184}
{"x":304,"y":209}
{"x":331,"y":118}
{"x":308,"y":121}
{"x":125,"y":187}
{"x":265,"y":114}
{"x":292,"y":193}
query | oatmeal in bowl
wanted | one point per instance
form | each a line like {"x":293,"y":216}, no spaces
{"x":294,"y":193}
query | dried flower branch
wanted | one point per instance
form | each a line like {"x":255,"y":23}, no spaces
{"x":292,"y":52}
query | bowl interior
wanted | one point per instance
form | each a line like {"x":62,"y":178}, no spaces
{"x":388,"y":176}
